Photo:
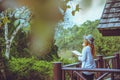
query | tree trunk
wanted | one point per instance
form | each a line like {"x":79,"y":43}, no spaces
{"x":9,"y":41}
{"x":7,"y":51}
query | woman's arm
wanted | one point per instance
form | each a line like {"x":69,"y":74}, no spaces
{"x":84,"y":55}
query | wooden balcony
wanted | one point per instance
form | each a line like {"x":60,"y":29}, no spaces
{"x":107,"y":67}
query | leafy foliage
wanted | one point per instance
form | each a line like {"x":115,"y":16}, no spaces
{"x":15,"y":17}
{"x":72,"y":38}
{"x":29,"y":69}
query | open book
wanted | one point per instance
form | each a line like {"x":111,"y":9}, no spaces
{"x":77,"y":53}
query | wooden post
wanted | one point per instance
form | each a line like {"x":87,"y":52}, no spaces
{"x":117,"y":63}
{"x":100,"y":64}
{"x":63,"y":75}
{"x":77,"y":66}
{"x":57,"y":71}
{"x":100,"y":61}
{"x":113,"y":66}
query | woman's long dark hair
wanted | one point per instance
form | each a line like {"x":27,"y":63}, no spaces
{"x":92,"y":49}
{"x":91,"y":46}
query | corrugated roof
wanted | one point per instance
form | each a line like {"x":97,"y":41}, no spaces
{"x":111,"y":15}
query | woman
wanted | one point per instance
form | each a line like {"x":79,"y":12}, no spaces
{"x":88,"y":54}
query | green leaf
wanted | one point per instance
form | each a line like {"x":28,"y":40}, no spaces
{"x":6,"y":20}
{"x":73,"y":13}
{"x":26,"y":28}
{"x":16,"y":23}
{"x":77,"y":7}
{"x":26,"y":24}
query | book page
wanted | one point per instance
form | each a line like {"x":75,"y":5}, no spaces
{"x":76,"y":53}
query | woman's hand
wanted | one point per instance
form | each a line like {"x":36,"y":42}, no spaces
{"x":73,"y":55}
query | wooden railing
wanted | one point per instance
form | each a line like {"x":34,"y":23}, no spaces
{"x":106,"y":67}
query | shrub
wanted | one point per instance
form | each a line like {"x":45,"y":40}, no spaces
{"x":29,"y":69}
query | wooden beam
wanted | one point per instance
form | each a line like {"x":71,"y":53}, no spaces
{"x":110,"y":32}
{"x":92,"y":70}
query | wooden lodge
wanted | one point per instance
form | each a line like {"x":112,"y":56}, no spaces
{"x":110,"y":21}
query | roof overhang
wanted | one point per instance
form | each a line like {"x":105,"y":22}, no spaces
{"x":109,"y":32}
{"x":110,"y":21}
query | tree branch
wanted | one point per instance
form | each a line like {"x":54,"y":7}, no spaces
{"x":6,"y":31}
{"x":14,"y":33}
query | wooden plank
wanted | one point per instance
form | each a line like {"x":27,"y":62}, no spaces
{"x":102,"y":76}
{"x":102,"y":26}
{"x":92,"y":70}
{"x":110,"y":25}
{"x":71,"y":65}
{"x":110,"y":20}
{"x":113,"y":15}
{"x":117,"y":25}
{"x":116,"y":5}
{"x":107,"y":6}
{"x":112,"y":10}
{"x":112,"y":1}
{"x":106,"y":25}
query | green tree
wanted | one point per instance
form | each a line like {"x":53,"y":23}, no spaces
{"x":14,"y":19}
